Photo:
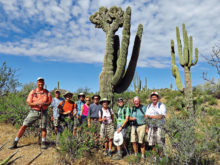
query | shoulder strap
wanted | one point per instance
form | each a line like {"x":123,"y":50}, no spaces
{"x":149,"y":105}
{"x":142,"y":110}
{"x":100,"y":110}
{"x":63,"y":103}
{"x":159,"y":104}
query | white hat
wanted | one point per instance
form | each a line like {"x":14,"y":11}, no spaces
{"x":40,"y":78}
{"x":154,"y":93}
{"x":118,"y":138}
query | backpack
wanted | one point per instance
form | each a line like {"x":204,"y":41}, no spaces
{"x":159,"y":104}
{"x":133,"y":108}
{"x":102,"y":112}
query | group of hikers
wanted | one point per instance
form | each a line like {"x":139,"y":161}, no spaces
{"x":98,"y":114}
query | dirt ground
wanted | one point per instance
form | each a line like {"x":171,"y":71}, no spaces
{"x":28,"y":148}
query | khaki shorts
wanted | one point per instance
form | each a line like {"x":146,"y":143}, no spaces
{"x":156,"y":136}
{"x":138,"y":133}
{"x":55,"y":122}
{"x":107,"y":131}
{"x":34,"y":115}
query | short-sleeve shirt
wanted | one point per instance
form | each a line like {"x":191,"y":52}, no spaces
{"x":136,"y":112}
{"x":106,"y":113}
{"x":37,"y":96}
{"x":55,"y":103}
{"x":79,"y":105}
{"x":94,"y":110}
{"x":68,"y":106}
{"x":155,"y":110}
{"x":123,"y":112}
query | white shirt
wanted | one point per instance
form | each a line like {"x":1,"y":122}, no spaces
{"x":155,"y":110}
{"x":107,"y":114}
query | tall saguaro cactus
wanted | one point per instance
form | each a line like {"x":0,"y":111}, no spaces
{"x":137,"y":83}
{"x":186,"y":61}
{"x":114,"y":77}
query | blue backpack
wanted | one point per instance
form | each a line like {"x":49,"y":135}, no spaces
{"x":159,"y":104}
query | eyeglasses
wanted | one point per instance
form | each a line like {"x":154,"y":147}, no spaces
{"x":87,"y":100}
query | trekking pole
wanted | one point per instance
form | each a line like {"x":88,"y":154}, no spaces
{"x":31,"y":161}
{"x":41,"y":123}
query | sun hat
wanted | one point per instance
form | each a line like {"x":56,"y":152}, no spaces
{"x":81,"y":94}
{"x":118,"y":138}
{"x":96,"y":96}
{"x":120,"y":99}
{"x":154,"y":93}
{"x":105,"y":100}
{"x":66,"y":93}
{"x":40,"y":78}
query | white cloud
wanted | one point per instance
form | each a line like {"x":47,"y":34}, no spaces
{"x":69,"y":36}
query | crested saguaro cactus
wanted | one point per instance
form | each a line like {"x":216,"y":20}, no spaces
{"x":186,"y":61}
{"x":114,"y":77}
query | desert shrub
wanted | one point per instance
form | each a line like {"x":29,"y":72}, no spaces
{"x":213,"y":101}
{"x":75,"y":147}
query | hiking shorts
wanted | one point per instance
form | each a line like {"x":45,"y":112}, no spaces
{"x":34,"y":115}
{"x":107,"y":131}
{"x":123,"y":131}
{"x":138,"y":133}
{"x":55,"y":122}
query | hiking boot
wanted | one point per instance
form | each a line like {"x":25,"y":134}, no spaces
{"x":14,"y":145}
{"x":43,"y":145}
{"x":110,"y":154}
{"x":117,"y":157}
{"x":105,"y":153}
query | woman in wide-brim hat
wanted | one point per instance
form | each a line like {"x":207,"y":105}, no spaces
{"x":106,"y":117}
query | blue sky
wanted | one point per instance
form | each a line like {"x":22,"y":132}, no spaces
{"x":56,"y":40}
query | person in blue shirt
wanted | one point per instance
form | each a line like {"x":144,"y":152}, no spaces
{"x":80,"y":102}
{"x":138,"y":127}
{"x":55,"y":110}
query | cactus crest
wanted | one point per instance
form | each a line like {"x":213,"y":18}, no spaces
{"x":114,"y":76}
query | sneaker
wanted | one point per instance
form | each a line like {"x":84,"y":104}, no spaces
{"x":43,"y":145}
{"x":117,"y":157}
{"x":110,"y":154}
{"x":14,"y":145}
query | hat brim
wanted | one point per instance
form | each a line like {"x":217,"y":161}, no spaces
{"x":118,"y":139}
{"x":68,"y":94}
{"x":96,"y":96}
{"x":101,"y":102}
{"x":81,"y":95}
{"x":154,"y":95}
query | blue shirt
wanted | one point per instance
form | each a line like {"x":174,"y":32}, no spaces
{"x":94,"y":110}
{"x":79,"y":105}
{"x":136,"y":112}
{"x":55,"y":103}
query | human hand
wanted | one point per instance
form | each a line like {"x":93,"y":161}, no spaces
{"x":51,"y":118}
{"x":119,"y":129}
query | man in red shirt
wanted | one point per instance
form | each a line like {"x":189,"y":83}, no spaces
{"x":38,"y":99}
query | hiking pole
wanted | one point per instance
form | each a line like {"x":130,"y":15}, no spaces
{"x":3,"y":145}
{"x":31,"y":161}
{"x":41,"y":123}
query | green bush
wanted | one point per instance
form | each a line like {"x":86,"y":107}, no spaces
{"x":213,"y":101}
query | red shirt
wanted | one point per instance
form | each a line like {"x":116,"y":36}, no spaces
{"x":39,"y":97}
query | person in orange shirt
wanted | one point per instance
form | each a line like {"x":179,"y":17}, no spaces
{"x":38,"y":99}
{"x":68,"y":111}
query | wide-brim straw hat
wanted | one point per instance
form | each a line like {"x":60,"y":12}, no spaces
{"x":81,"y":94}
{"x":105,"y":100}
{"x":68,"y":93}
{"x":154,"y":93}
{"x":96,"y":96}
{"x":118,"y":138}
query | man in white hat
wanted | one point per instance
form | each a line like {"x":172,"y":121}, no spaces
{"x":155,"y":115}
{"x":38,"y":99}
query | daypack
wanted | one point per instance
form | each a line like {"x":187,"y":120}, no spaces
{"x":102,"y":113}
{"x":133,"y":108}
{"x":159,"y":104}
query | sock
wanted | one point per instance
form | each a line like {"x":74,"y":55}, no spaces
{"x":43,"y":139}
{"x":119,"y":152}
{"x":109,"y":151}
{"x":16,"y":139}
{"x":142,"y":155}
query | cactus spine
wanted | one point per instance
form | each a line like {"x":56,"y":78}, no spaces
{"x":186,"y":61}
{"x":114,"y":77}
{"x":137,"y":83}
